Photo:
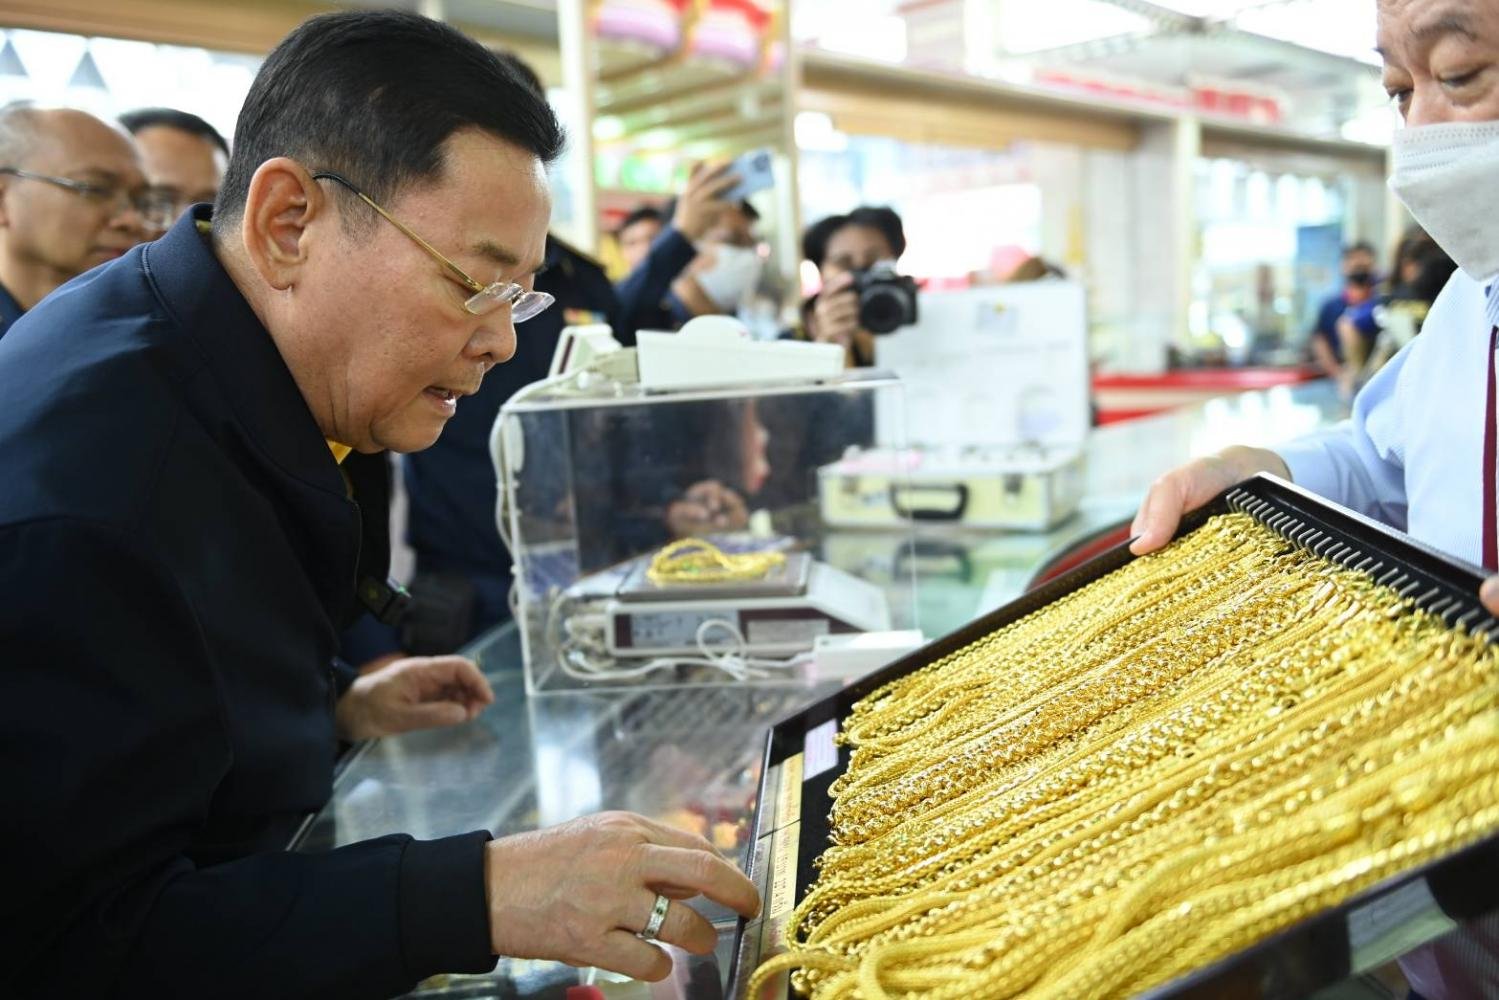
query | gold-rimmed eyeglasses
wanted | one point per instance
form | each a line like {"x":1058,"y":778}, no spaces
{"x":154,"y":207}
{"x":486,"y":299}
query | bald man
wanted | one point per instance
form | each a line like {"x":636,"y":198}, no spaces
{"x":183,"y":155}
{"x":72,"y":197}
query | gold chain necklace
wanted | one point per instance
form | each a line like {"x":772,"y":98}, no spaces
{"x":696,"y":560}
{"x":1159,"y":769}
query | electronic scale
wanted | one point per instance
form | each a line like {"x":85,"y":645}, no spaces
{"x":781,"y":614}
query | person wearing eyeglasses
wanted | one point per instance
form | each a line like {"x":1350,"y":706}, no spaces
{"x":184,"y":156}
{"x":178,"y":551}
{"x":72,"y":197}
{"x":463,"y":569}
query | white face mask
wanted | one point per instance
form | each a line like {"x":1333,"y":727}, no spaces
{"x":1448,"y":176}
{"x":733,"y":277}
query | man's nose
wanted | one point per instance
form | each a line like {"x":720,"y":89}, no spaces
{"x":494,"y":340}
{"x":1427,"y":107}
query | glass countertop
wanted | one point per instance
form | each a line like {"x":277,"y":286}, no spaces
{"x":692,"y":757}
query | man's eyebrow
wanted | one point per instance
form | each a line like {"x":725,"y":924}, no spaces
{"x":100,"y":174}
{"x":1443,"y":23}
{"x":500,"y":255}
{"x":507,"y":259}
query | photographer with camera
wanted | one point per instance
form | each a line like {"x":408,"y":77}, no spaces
{"x":861,"y":294}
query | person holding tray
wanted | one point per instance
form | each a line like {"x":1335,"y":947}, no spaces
{"x":1419,"y":453}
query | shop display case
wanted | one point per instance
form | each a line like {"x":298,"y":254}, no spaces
{"x":614,"y":498}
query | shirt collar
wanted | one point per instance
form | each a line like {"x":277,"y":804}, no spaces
{"x":205,"y":303}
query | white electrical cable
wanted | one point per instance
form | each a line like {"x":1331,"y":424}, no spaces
{"x":583,"y":652}
{"x":497,"y":444}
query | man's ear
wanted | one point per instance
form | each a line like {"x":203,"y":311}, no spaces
{"x":5,"y":190}
{"x":281,"y":204}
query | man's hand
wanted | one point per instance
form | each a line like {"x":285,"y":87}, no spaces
{"x":422,"y":692}
{"x":580,"y":893}
{"x":1193,"y":485}
{"x":706,"y":507}
{"x":1489,"y":595}
{"x":701,"y":202}
{"x":835,"y":318}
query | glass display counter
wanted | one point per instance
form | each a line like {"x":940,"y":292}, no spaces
{"x":691,"y":756}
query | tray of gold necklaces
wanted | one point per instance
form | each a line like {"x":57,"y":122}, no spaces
{"x":1253,"y":764}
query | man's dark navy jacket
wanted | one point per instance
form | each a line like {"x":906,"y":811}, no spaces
{"x":176,"y":548}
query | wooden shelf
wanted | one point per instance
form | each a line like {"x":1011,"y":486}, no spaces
{"x":1090,"y":119}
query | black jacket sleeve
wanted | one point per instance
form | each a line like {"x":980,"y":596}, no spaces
{"x":112,"y":744}
{"x":641,"y":292}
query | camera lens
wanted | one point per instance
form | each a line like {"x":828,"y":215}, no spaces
{"x":882,"y":309}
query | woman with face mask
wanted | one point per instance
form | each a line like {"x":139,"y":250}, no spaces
{"x":1420,"y":451}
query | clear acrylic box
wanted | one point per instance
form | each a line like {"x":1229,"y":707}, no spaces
{"x":596,"y":479}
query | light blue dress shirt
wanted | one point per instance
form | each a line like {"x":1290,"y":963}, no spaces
{"x":1412,"y":457}
{"x":1412,"y":454}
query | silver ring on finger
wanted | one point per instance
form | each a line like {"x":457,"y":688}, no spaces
{"x":658,"y":917}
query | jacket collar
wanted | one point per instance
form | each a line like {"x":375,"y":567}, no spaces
{"x":206,"y":304}
{"x":197,"y":292}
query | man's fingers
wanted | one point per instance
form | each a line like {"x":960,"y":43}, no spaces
{"x":622,"y":952}
{"x":716,"y":188}
{"x":1173,"y":495}
{"x":443,"y":676}
{"x":683,"y":926}
{"x":711,"y":170}
{"x":708,"y":873}
{"x":670,"y":836}
{"x":1158,"y":517}
{"x":474,"y":683}
{"x":1489,"y":594}
{"x":432,"y":715}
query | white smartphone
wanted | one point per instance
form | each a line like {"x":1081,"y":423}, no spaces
{"x":756,"y":172}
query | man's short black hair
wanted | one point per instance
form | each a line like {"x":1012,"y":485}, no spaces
{"x":1362,"y":246}
{"x":375,"y":95}
{"x":881,"y":218}
{"x":523,"y":70}
{"x":645,"y":213}
{"x":183,"y":121}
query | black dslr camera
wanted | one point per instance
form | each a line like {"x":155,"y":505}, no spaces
{"x":887,"y":301}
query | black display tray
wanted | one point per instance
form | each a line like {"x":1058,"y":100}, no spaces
{"x":1372,"y":928}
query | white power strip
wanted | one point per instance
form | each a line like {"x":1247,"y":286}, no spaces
{"x":849,"y":657}
{"x":715,"y":351}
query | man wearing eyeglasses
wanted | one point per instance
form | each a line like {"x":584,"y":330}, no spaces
{"x":184,"y":155}
{"x":178,"y":550}
{"x":72,"y":197}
